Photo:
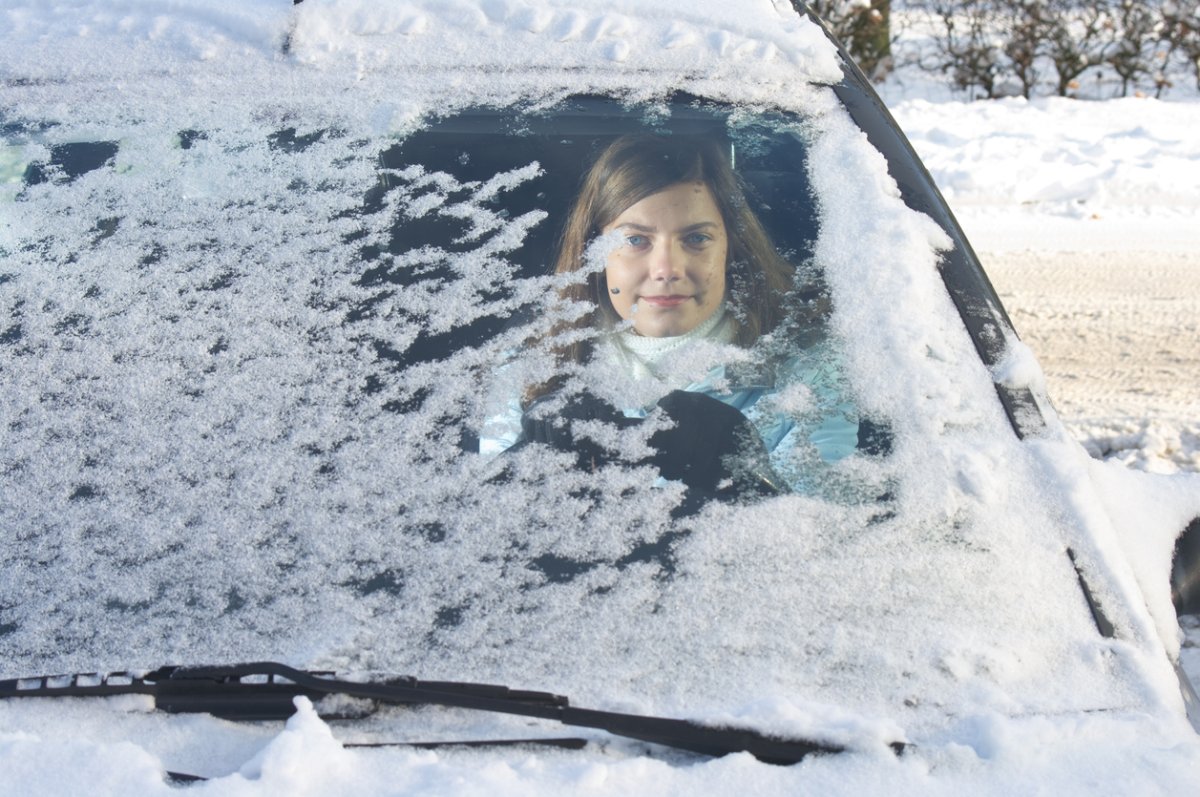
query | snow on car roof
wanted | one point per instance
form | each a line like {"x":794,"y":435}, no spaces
{"x":762,"y":45}
{"x":706,"y":38}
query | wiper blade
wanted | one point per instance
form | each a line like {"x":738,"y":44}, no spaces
{"x":264,"y":690}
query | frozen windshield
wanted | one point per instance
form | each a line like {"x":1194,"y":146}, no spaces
{"x":327,"y":393}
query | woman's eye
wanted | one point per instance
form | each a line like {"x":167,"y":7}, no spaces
{"x":636,"y":241}
{"x":697,"y":239}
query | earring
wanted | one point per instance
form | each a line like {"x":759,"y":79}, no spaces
{"x":614,"y":291}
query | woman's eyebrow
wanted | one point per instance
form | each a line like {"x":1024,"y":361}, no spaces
{"x":632,"y":225}
{"x":700,"y":225}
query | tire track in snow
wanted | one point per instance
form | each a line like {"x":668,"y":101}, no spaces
{"x":1118,"y":336}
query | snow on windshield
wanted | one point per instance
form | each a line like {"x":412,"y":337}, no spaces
{"x":252,"y":338}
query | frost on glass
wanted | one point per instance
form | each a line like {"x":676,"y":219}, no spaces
{"x":247,"y":370}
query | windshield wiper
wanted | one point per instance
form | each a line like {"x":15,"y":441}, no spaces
{"x":265,"y":690}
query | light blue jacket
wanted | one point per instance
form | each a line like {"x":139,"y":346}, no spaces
{"x":827,"y":428}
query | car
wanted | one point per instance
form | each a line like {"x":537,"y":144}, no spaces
{"x":338,"y":389}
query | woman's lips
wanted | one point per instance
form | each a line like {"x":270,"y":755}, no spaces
{"x":665,"y":301}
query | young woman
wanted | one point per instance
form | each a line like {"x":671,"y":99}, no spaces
{"x":677,"y":205}
{"x":671,"y":255}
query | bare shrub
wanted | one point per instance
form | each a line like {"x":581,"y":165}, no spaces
{"x":864,"y":27}
{"x":994,"y":48}
{"x":1181,"y":35}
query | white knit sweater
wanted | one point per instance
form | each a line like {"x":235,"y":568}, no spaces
{"x":640,"y":355}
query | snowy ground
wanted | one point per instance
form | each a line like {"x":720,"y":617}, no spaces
{"x":1087,"y":217}
{"x":1116,"y":333}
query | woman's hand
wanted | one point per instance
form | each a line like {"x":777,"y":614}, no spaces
{"x":711,"y":447}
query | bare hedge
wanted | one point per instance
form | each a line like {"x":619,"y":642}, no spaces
{"x":998,"y":48}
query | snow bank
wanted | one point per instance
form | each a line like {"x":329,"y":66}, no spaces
{"x":1057,"y":173}
{"x":1142,"y":445}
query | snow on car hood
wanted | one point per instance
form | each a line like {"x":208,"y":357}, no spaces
{"x":219,"y":445}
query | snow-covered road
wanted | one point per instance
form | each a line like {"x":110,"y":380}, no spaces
{"x":1118,"y":336}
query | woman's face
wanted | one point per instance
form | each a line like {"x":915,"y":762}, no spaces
{"x":669,"y":270}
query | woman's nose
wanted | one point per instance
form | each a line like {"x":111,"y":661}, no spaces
{"x":665,"y":264}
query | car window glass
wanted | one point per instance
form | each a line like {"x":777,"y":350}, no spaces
{"x":250,"y":368}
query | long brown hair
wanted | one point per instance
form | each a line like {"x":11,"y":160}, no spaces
{"x":634,"y":167}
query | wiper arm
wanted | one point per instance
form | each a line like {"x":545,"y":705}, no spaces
{"x":264,"y":690}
